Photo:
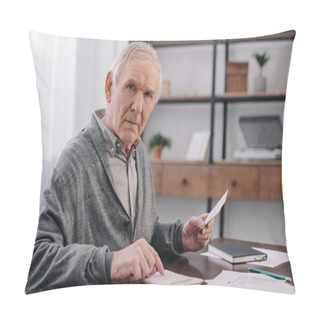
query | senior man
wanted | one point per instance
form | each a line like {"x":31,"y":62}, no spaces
{"x":98,"y":219}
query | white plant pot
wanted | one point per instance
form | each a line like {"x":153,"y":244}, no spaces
{"x":260,"y":84}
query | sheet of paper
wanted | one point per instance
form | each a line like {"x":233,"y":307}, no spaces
{"x":217,"y":207}
{"x":209,"y":254}
{"x":171,"y":278}
{"x":251,"y":281}
{"x":275,"y":258}
{"x":213,"y":213}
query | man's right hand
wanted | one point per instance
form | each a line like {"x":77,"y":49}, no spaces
{"x":135,"y":262}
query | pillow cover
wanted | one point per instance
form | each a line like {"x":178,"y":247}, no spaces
{"x":233,"y":91}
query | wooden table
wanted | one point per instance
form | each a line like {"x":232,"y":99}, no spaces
{"x":195,"y":265}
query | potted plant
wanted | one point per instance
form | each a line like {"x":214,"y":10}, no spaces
{"x":260,"y":83}
{"x":156,"y":143}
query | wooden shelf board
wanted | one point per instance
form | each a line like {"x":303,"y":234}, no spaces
{"x":228,"y":96}
{"x":222,"y":162}
{"x":167,"y":43}
{"x":287,"y":35}
{"x":185,"y":99}
{"x":235,"y":162}
{"x":178,"y":162}
{"x":248,"y":96}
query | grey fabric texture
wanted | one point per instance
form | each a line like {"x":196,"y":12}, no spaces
{"x":82,"y":221}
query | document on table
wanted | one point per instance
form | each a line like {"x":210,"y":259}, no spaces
{"x":275,"y":258}
{"x":251,"y":281}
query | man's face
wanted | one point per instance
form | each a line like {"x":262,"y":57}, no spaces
{"x":132,"y":99}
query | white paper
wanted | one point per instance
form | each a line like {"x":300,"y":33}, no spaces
{"x":274,"y":259}
{"x":213,"y":213}
{"x":217,"y":208}
{"x":210,"y":254}
{"x":251,"y":281}
{"x":171,"y":278}
{"x":198,"y":146}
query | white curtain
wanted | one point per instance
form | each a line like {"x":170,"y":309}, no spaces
{"x":70,"y":75}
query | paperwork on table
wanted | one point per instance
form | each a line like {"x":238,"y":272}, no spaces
{"x":251,"y":281}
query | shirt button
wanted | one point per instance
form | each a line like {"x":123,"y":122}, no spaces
{"x":118,"y":144}
{"x":112,"y":149}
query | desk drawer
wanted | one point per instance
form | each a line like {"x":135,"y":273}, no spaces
{"x":271,"y":183}
{"x":242,"y":182}
{"x":185,"y":181}
{"x":202,"y":181}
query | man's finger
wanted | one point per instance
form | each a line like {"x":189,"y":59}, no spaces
{"x":198,"y":222}
{"x":149,"y":256}
{"x":157,"y":260}
{"x":210,"y":224}
{"x":204,"y":216}
{"x":158,"y":264}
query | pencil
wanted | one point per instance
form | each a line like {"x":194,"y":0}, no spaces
{"x":271,"y":274}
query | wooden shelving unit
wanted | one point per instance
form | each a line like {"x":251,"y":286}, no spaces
{"x":258,"y":180}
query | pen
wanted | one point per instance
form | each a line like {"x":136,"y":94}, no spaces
{"x":271,"y":274}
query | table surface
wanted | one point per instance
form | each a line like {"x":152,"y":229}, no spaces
{"x":194,"y":264}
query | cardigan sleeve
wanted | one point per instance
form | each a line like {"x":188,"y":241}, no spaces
{"x":57,"y":262}
{"x":167,"y":237}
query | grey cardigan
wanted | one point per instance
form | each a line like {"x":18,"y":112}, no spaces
{"x":82,"y":221}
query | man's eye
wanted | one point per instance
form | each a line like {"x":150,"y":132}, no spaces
{"x":148,"y":94}
{"x":131,"y":86}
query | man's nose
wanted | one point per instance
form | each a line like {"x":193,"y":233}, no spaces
{"x":137,"y":104}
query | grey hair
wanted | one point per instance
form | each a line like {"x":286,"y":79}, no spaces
{"x":139,"y":50}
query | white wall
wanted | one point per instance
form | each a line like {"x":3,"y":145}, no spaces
{"x":189,"y":69}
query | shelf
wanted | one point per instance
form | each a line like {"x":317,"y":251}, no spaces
{"x":227,"y":97}
{"x":178,"y":162}
{"x":185,"y":99}
{"x":245,"y":96}
{"x":245,"y":179}
{"x":223,"y":162}
{"x":248,"y":162}
{"x":287,"y":35}
{"x":157,"y":44}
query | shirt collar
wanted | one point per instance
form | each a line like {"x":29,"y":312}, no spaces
{"x":113,"y":143}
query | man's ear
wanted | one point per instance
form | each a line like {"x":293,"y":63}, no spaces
{"x":108,"y":86}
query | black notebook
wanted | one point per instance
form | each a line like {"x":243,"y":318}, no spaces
{"x":236,"y":252}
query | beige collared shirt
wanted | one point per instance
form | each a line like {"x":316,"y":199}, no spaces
{"x":123,"y":167}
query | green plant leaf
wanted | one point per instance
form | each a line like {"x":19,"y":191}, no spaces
{"x":262,"y":59}
{"x":158,"y":140}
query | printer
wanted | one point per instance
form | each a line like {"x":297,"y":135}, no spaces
{"x":263,"y":136}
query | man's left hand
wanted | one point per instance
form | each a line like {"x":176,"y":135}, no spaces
{"x":201,"y":239}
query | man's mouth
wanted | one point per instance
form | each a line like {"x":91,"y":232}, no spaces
{"x":132,"y":122}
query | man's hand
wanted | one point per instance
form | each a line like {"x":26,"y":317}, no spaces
{"x":202,"y":238}
{"x":135,"y":262}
